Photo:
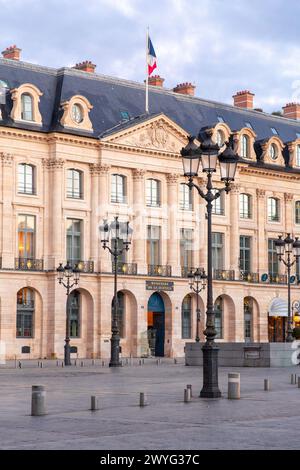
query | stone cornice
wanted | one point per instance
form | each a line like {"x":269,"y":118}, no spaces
{"x":268,"y":172}
{"x":139,"y":150}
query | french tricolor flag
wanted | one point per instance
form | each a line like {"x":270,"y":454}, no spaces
{"x":151,"y":58}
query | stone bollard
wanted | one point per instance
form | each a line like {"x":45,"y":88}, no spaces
{"x":94,"y":403}
{"x":189,"y":387}
{"x":82,"y":364}
{"x":38,"y":400}
{"x":143,"y":400}
{"x":234,"y":390}
{"x":187,"y":395}
{"x":266,"y":385}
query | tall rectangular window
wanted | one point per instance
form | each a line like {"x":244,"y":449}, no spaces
{"x":273,"y":209}
{"x":218,"y":205}
{"x":26,"y":236}
{"x":74,"y":240}
{"x":26,"y":179}
{"x":245,"y":254}
{"x":298,"y":156}
{"x":185,"y":198}
{"x":217,"y":250}
{"x":26,"y":107}
{"x":153,"y":193}
{"x":153,"y":245}
{"x":273,"y":262}
{"x":118,"y":188}
{"x":74,"y":184}
{"x":187,"y":248}
{"x":245,"y":206}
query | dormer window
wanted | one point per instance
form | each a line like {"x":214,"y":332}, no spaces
{"x":298,"y":155}
{"x":245,"y":147}
{"x":77,"y":113}
{"x":273,"y":152}
{"x":274,"y":131}
{"x":27,"y":107}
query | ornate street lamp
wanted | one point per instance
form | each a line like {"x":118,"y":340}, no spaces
{"x":111,"y":235}
{"x":207,"y":153}
{"x":71,"y":276}
{"x":197,"y":282}
{"x":288,"y":251}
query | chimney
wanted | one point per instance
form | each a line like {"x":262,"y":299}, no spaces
{"x":185,"y":89}
{"x":243,"y":99}
{"x":156,"y":80}
{"x":86,"y":66}
{"x":12,"y":52}
{"x":292,"y":111}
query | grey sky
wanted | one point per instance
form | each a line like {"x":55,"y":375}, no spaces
{"x":220,"y":46}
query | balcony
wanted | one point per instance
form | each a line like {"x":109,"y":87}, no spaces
{"x":277,"y":279}
{"x":83,"y":266}
{"x":249,"y":277}
{"x":29,"y":264}
{"x":185,"y":271}
{"x":223,"y":275}
{"x":159,"y":270}
{"x":125,"y":268}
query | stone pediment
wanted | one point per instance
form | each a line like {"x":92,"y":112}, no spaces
{"x":159,"y":133}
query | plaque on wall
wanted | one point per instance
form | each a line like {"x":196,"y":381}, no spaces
{"x":252,"y":353}
{"x":160,"y":285}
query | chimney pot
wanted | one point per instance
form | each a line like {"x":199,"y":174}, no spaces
{"x":156,"y":80}
{"x":243,"y":99}
{"x":185,"y":89}
{"x":85,"y":66}
{"x":12,"y":52}
{"x":292,"y":111}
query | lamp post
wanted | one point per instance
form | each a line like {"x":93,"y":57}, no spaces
{"x":71,"y":275}
{"x":197,"y":282}
{"x":288,"y":251}
{"x":208,"y":154}
{"x":116,"y":231}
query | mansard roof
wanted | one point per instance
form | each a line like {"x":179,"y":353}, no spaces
{"x":111,"y":96}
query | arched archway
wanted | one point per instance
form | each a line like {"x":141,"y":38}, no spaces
{"x":82,"y":329}
{"x":156,"y":324}
{"x":29,"y":324}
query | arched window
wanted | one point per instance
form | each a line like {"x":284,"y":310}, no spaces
{"x":248,"y":312}
{"x":297,"y":212}
{"x":273,"y":152}
{"x":219,"y":317}
{"x":77,"y":113}
{"x":220,"y":138}
{"x":273,"y":209}
{"x":185,"y":198}
{"x":152,"y":193}
{"x":120,"y":312}
{"x":186,"y":317}
{"x":245,"y":206}
{"x":26,"y":179}
{"x":74,"y":184}
{"x":26,"y":107}
{"x":74,"y":302}
{"x":25,"y":313}
{"x":118,"y":188}
{"x":298,"y":155}
{"x":245,"y":147}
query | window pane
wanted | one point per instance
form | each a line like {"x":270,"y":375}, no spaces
{"x":186,"y":248}
{"x":26,"y":179}
{"x":118,"y":188}
{"x":272,"y":258}
{"x":217,"y":251}
{"x":74,"y":240}
{"x":186,"y":318}
{"x":218,"y":307}
{"x":185,"y":201}
{"x":26,"y":236}
{"x":25,"y":313}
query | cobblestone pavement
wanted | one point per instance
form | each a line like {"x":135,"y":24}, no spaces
{"x":259,"y":420}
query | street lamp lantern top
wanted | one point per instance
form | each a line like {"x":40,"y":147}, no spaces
{"x":191,"y":156}
{"x":127,"y":232}
{"x":60,"y":272}
{"x":289,"y":242}
{"x":296,"y":247}
{"x":104,"y":232}
{"x":228,"y":162}
{"x":68,"y":269}
{"x":279,"y":245}
{"x":209,"y":152}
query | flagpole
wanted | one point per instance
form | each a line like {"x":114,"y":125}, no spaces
{"x":147,"y":83}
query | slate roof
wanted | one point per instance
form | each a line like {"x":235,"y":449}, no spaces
{"x":109,"y":96}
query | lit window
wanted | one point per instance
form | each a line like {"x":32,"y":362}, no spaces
{"x":118,"y":188}
{"x":152,"y":193}
{"x":186,"y":198}
{"x":245,"y":146}
{"x":74,"y":184}
{"x":26,"y":107}
{"x":273,"y":209}
{"x":26,"y":179}
{"x":245,"y":206}
{"x":273,"y":152}
{"x":26,"y":237}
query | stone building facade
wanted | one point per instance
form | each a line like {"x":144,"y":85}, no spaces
{"x":76,"y":148}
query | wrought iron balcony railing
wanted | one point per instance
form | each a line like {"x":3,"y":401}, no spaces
{"x":83,"y":266}
{"x":249,"y":277}
{"x":125,"y":268}
{"x":29,"y":264}
{"x":223,"y":275}
{"x":277,"y":279}
{"x":159,"y":270}
{"x":185,"y":271}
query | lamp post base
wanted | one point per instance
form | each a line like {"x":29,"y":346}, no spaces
{"x":67,"y":359}
{"x":210,"y":372}
{"x":115,"y":351}
{"x":115,"y":364}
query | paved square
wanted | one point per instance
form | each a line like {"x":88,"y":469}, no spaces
{"x":260,"y":420}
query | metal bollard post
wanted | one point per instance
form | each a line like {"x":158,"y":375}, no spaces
{"x":175,"y":360}
{"x":143,"y":361}
{"x":20,"y":365}
{"x":143,"y":400}
{"x":234,"y":389}
{"x":295,"y":379}
{"x":38,"y":400}
{"x":94,"y":403}
{"x":41,"y":365}
{"x":292,"y":379}
{"x":103,"y":363}
{"x":189,"y":387}
{"x":38,"y":364}
{"x":187,"y":395}
{"x":266,"y":385}
{"x":62,"y":364}
{"x":93,"y":362}
{"x":57,"y":363}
